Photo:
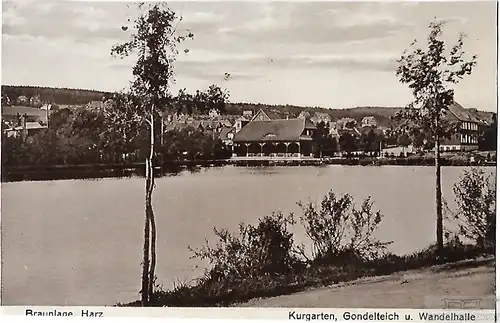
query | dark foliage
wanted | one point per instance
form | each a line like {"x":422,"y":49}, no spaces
{"x":475,"y":195}
{"x":62,"y":96}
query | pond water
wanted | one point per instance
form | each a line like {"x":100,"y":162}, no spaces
{"x":79,"y":242}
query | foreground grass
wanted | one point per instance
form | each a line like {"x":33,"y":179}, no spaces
{"x":227,"y":292}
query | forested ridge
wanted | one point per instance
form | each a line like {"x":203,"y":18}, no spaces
{"x":67,"y":96}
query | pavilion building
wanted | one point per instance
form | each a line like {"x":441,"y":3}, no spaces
{"x":266,"y":137}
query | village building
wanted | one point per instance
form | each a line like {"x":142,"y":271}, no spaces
{"x":22,"y":100}
{"x":369,"y":122}
{"x":25,"y":124}
{"x":35,"y":101}
{"x":333,"y":129}
{"x":248,"y":114}
{"x":262,"y":115}
{"x":354,"y":132}
{"x":226,"y":135}
{"x":213,"y":113}
{"x":467,"y":135}
{"x":213,"y":125}
{"x":226,"y":123}
{"x":346,"y":123}
{"x":266,"y":137}
{"x":321,"y":117}
{"x":240,"y":123}
{"x":12,"y":114}
{"x":304,"y":115}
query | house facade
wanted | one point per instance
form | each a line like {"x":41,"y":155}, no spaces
{"x":274,"y":138}
{"x":22,"y":120}
{"x":321,"y":117}
{"x":240,"y":123}
{"x":369,"y":122}
{"x":248,"y":114}
{"x":226,"y":135}
{"x":23,"y":127}
{"x":346,"y":123}
{"x":304,"y":115}
{"x":467,"y":135}
{"x":213,"y":113}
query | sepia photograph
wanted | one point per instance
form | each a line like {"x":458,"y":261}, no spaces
{"x":250,"y":154}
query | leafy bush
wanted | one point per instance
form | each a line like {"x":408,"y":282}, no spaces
{"x":475,"y":196}
{"x":340,"y":232}
{"x":261,"y":250}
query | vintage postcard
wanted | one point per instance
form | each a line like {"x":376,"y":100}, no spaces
{"x":249,"y":154}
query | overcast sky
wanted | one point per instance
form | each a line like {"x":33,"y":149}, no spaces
{"x":329,"y":54}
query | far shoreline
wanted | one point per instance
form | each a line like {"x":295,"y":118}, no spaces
{"x":172,"y":168}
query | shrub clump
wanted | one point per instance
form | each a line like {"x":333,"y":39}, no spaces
{"x":475,"y":195}
{"x":340,"y":231}
{"x":258,"y":250}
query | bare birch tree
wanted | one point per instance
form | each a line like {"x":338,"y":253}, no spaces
{"x":431,"y":73}
{"x":154,"y":39}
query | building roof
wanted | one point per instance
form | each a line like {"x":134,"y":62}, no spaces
{"x":322,"y":115}
{"x":270,"y":115}
{"x":15,"y":109}
{"x":366,"y":130}
{"x":352,"y":131}
{"x":309,"y":124}
{"x":461,"y":113}
{"x":226,"y":123}
{"x":486,"y":118}
{"x":171,"y":126}
{"x":194,"y":123}
{"x":177,"y":126}
{"x":242,"y":118}
{"x":304,"y":114}
{"x":212,"y":124}
{"x":32,"y":113}
{"x":224,"y":133}
{"x":272,"y":130}
{"x":31,"y":125}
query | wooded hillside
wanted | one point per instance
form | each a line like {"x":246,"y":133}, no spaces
{"x":65,"y":96}
{"x":62,"y":96}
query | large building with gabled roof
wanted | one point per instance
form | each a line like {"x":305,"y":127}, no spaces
{"x":266,"y":137}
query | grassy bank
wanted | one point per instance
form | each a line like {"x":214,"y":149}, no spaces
{"x":208,"y":293}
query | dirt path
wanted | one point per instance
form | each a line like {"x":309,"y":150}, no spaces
{"x":428,"y":288}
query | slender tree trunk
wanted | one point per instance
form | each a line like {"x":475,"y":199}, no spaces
{"x":146,"y":248}
{"x":151,"y":213}
{"x":153,"y":254}
{"x":439,"y":206}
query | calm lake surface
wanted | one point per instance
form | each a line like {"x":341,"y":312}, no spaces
{"x":79,"y":242}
